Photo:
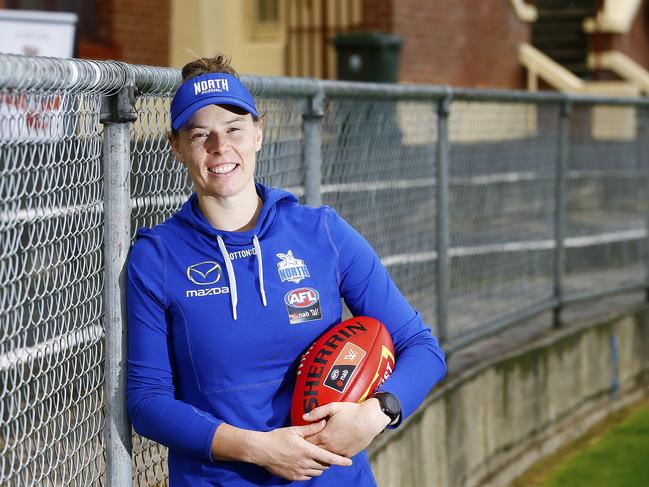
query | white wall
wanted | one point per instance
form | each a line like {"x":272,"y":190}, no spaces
{"x":205,"y":27}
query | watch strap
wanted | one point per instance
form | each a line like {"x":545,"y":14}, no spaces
{"x":390,"y":406}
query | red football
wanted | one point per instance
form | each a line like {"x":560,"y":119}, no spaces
{"x":346,"y":363}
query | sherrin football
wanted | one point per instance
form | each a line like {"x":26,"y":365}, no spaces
{"x":346,"y":363}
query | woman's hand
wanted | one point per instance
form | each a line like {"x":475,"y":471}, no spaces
{"x":285,"y":452}
{"x":350,"y":428}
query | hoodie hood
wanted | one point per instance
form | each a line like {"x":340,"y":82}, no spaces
{"x":191,"y":215}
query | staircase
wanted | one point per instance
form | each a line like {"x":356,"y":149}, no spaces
{"x":559,"y":34}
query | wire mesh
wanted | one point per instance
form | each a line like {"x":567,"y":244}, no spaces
{"x":378,"y":172}
{"x":607,"y":203}
{"x":379,"y":148}
{"x":501,"y":191}
{"x":159,"y":186}
{"x":279,"y":162}
{"x":51,"y":263}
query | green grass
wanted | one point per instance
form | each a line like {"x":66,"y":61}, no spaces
{"x":619,"y":458}
{"x":615,"y":453}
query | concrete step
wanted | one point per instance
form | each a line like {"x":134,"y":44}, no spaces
{"x":565,"y":4}
{"x":558,"y":28}
{"x":561,"y":14}
{"x":565,"y":54}
{"x":562,"y":39}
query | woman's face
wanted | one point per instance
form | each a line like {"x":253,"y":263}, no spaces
{"x":219,"y":146}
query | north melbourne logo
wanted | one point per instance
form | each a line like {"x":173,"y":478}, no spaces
{"x":291,"y":268}
{"x":204,"y":273}
{"x":211,"y":86}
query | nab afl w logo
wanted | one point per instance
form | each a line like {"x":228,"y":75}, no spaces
{"x":291,"y":269}
{"x":303,"y":304}
{"x":204,"y":273}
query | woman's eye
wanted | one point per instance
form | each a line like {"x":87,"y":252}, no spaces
{"x":233,"y":129}
{"x":198,"y":136}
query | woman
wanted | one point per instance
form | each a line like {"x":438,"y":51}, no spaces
{"x":213,"y":347}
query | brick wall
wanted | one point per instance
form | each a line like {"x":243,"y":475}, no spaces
{"x":134,"y":31}
{"x":460,"y":43}
{"x":635,"y":43}
{"x":377,"y":15}
{"x":141,"y":29}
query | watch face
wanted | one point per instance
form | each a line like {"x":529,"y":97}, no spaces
{"x":392,"y":405}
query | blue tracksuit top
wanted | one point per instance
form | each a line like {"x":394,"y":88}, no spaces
{"x":192,"y":365}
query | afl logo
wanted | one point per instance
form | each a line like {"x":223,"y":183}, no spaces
{"x":303,"y":297}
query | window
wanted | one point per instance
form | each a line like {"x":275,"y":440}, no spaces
{"x":266,"y":20}
{"x":268,"y":11}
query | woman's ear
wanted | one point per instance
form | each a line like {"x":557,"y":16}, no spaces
{"x":175,"y":147}
{"x":259,"y":134}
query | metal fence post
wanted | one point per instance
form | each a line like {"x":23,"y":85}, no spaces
{"x":442,"y":212}
{"x":643,"y":146}
{"x":117,"y":112}
{"x":312,"y":154}
{"x":561,"y":176}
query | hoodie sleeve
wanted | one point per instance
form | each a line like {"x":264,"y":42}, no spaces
{"x":152,"y":408}
{"x":368,"y":290}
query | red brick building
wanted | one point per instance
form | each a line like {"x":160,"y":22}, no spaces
{"x":459,"y":43}
{"x":477,"y":43}
{"x":455,"y":43}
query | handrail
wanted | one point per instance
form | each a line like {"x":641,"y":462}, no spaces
{"x":623,"y":66}
{"x":525,"y":11}
{"x":615,"y":17}
{"x":541,"y":66}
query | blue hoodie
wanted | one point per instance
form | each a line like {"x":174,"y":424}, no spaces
{"x":215,"y":330}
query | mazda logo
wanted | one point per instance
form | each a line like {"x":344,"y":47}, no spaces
{"x":204,"y":273}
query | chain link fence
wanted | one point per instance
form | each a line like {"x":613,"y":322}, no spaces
{"x":486,"y":207}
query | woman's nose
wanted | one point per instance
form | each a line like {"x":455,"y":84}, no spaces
{"x":216,"y":144}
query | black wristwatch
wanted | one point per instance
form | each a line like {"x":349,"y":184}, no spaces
{"x":390,"y":406}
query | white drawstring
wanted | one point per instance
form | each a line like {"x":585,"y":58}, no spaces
{"x":234,"y":298}
{"x":255,"y":242}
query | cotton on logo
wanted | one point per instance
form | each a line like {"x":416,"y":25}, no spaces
{"x":302,"y":297}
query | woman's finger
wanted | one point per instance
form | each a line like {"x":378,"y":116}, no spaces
{"x":309,"y":429}
{"x":323,"y":456}
{"x":319,"y":465}
{"x":313,"y":472}
{"x":320,"y":412}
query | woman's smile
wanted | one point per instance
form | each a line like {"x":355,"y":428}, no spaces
{"x":222,"y":169}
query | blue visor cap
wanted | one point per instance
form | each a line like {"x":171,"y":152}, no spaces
{"x":209,"y":89}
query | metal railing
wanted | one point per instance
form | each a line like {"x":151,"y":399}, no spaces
{"x":487,"y":207}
